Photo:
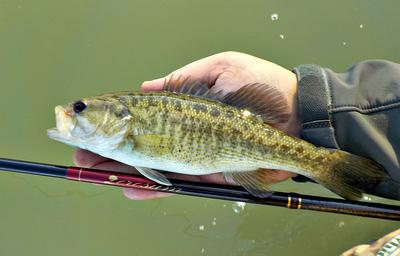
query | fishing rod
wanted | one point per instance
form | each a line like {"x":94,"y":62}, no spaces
{"x":224,"y":192}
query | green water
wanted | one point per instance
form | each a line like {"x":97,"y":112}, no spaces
{"x":52,"y":52}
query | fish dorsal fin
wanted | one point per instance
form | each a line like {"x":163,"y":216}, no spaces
{"x":195,"y":88}
{"x":261,"y":100}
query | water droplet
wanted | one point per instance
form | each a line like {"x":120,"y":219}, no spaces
{"x":344,"y":43}
{"x":201,"y":227}
{"x":282,"y":36}
{"x":367,"y":198}
{"x":361,"y":25}
{"x":203,"y":250}
{"x":274,"y":17}
{"x":238,"y":207}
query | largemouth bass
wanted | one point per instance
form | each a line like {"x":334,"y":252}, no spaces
{"x":190,"y":128}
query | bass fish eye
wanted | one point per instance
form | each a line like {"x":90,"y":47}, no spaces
{"x":79,"y":106}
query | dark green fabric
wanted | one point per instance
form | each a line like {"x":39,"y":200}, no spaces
{"x":363,"y":113}
{"x":314,"y":104}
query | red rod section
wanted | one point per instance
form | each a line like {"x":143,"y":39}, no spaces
{"x":116,"y":179}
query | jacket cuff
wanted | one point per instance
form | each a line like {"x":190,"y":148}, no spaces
{"x":314,"y":104}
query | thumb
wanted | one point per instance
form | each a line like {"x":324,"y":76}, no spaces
{"x":153,"y":85}
{"x":204,"y":70}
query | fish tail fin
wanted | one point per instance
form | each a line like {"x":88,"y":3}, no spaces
{"x":350,"y":176}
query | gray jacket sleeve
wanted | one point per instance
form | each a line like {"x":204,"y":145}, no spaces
{"x":357,"y":111}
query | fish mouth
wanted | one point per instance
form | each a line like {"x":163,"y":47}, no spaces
{"x":65,"y":123}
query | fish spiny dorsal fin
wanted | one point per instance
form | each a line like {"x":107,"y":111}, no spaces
{"x":190,"y":87}
{"x":261,"y":100}
{"x":185,"y":86}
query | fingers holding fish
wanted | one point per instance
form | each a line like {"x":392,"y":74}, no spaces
{"x":206,"y":70}
{"x":218,"y":178}
{"x":112,"y":125}
{"x":87,"y":159}
{"x":224,"y":70}
{"x":142,"y":194}
{"x":230,"y":71}
{"x":191,"y":129}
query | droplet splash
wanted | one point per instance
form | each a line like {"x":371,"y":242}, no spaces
{"x":282,"y":36}
{"x":274,"y":16}
{"x":201,"y":227}
{"x":238,"y":207}
{"x":214,"y":221}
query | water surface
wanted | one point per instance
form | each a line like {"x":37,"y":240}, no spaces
{"x":52,"y":52}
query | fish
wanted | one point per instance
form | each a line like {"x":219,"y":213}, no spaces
{"x":191,"y":128}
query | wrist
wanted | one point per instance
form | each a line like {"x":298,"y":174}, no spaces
{"x":294,"y":125}
{"x":314,"y":102}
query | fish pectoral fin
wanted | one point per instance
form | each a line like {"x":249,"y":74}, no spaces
{"x":256,"y":182}
{"x":154,"y":175}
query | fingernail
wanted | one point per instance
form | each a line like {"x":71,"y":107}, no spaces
{"x":153,"y":81}
{"x":130,"y":193}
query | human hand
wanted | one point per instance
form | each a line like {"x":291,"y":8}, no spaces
{"x":228,"y":72}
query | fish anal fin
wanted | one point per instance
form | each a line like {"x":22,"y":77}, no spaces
{"x":255,"y":182}
{"x":154,"y":175}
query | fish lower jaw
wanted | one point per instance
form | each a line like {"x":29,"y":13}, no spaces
{"x":63,"y":137}
{"x":55,"y":133}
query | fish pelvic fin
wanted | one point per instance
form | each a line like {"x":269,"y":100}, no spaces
{"x":255,"y":182}
{"x":261,"y":100}
{"x":351,"y":175}
{"x":154,"y":175}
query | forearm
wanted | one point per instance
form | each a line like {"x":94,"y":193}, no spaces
{"x":357,"y":111}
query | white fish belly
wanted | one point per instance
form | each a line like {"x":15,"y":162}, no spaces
{"x":133,"y":158}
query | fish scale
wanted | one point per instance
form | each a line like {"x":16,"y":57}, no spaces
{"x":192,"y":129}
{"x":199,"y":137}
